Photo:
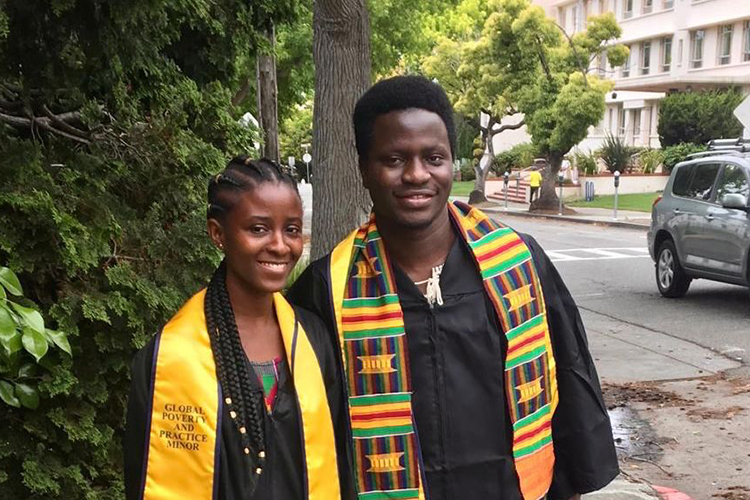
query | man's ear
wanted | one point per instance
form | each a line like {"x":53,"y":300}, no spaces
{"x":216,"y":233}
{"x":363,"y":173}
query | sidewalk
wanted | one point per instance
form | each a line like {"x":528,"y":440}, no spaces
{"x":623,"y":489}
{"x":601,"y":216}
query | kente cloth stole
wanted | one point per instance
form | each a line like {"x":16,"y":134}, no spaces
{"x":374,"y":350}
{"x":182,"y":454}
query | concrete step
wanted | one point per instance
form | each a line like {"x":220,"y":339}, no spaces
{"x":512,"y":197}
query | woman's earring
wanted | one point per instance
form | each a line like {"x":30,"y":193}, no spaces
{"x":221,"y":246}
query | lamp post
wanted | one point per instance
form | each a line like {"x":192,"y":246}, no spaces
{"x":617,"y":185}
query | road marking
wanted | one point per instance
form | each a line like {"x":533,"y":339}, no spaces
{"x":609,"y":253}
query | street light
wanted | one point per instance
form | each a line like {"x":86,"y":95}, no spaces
{"x":617,"y":185}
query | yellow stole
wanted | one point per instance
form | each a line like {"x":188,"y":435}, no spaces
{"x":184,"y":435}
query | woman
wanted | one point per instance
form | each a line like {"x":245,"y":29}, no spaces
{"x":238,"y":395}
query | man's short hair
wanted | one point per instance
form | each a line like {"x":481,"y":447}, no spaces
{"x":396,"y":94}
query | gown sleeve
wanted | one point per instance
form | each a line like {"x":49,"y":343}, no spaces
{"x":311,"y":291}
{"x":137,"y":422}
{"x":585,"y":455}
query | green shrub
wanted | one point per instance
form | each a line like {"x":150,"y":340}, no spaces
{"x":26,"y":343}
{"x":519,"y":156}
{"x":679,"y":152}
{"x":698,"y":117}
{"x":107,"y":232}
{"x":586,"y":163}
{"x":615,"y":154}
{"x":650,"y":159}
{"x":467,"y":171}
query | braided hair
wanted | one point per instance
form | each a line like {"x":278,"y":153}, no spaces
{"x":241,"y":174}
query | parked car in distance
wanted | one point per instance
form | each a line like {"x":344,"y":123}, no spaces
{"x":700,"y":227}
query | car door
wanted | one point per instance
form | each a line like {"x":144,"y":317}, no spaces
{"x":674,"y":208}
{"x":727,"y":229}
{"x":697,"y":203}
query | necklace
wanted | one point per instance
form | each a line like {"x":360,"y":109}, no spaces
{"x":433,"y":293}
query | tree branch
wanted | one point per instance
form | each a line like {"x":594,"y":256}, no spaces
{"x":512,"y":126}
{"x":44,"y":123}
{"x":61,"y":122}
{"x":575,"y":55}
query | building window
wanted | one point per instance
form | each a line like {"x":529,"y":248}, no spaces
{"x":648,"y":6}
{"x":696,"y":48}
{"x":621,"y":129}
{"x":746,"y":42}
{"x":574,"y":10}
{"x":725,"y":44}
{"x":626,"y":66}
{"x":645,"y":57}
{"x":666,"y":54}
{"x":668,"y":4}
{"x":679,"y":53}
{"x":627,"y":7}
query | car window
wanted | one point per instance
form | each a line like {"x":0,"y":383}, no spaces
{"x":682,"y":180}
{"x":733,"y":181}
{"x":703,"y":181}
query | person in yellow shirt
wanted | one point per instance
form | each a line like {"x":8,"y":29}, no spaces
{"x":535,"y":181}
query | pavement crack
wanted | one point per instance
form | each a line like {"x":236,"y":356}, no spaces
{"x":660,"y":332}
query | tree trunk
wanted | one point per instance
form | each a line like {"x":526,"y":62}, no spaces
{"x":341,"y":52}
{"x":548,"y":199}
{"x":268,"y":98}
{"x":483,"y":171}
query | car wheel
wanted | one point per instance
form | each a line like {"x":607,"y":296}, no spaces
{"x":670,"y":277}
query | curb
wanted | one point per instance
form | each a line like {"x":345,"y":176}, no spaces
{"x":569,"y":218}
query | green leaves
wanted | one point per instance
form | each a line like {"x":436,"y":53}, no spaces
{"x":29,"y":317}
{"x":25,"y":341}
{"x":34,"y":343}
{"x":8,"y":394}
{"x":19,"y":394}
{"x":27,"y":395}
{"x":9,"y":281}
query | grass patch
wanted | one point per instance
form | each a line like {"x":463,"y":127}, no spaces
{"x":462,"y":188}
{"x":639,"y":202}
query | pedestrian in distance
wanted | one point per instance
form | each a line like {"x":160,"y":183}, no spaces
{"x":238,"y":396}
{"x":535,"y":181}
{"x":467,"y":370}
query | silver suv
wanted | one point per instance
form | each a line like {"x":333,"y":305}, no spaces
{"x":700,"y":228}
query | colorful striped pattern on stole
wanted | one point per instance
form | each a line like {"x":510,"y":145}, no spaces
{"x":376,"y":361}
{"x":512,"y":283}
{"x":377,"y":368}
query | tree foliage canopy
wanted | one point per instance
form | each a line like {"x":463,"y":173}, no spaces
{"x":113,"y":115}
{"x":698,"y":117}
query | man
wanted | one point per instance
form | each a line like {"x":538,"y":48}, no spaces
{"x":466,"y":364}
{"x":535,"y":179}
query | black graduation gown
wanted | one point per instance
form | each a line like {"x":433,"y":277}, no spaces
{"x":456,"y":359}
{"x":283,"y":471}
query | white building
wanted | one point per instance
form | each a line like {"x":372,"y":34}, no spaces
{"x":675,"y":45}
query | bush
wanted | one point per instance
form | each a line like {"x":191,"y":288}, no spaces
{"x":615,"y":154}
{"x":586,"y":163}
{"x":519,"y":156}
{"x":650,"y":159}
{"x":467,"y":171}
{"x":104,"y":220}
{"x":675,"y":154}
{"x":698,"y":117}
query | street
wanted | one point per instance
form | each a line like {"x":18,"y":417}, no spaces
{"x":611,"y":276}
{"x":674,"y":371}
